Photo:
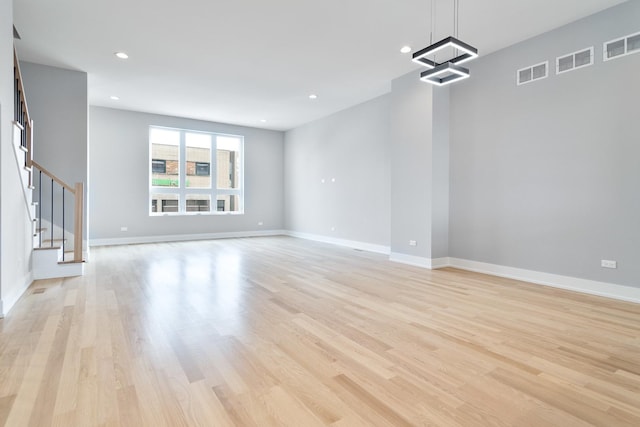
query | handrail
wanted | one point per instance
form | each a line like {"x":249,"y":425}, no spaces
{"x":22,"y":113}
{"x":21,"y":85}
{"x":53,"y":177}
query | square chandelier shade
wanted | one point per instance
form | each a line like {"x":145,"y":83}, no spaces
{"x":468,"y":52}
{"x":444,"y":74}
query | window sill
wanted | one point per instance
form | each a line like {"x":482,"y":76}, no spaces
{"x":194,"y":214}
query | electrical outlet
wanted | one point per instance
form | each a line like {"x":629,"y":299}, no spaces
{"x":413,"y":243}
{"x":124,"y":229}
{"x":608,"y":264}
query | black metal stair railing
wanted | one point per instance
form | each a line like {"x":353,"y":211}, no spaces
{"x":20,"y":114}
{"x":52,"y":207}
{"x":55,"y":198}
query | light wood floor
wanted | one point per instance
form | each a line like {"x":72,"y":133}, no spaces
{"x":285,"y":332}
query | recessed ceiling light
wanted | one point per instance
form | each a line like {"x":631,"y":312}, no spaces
{"x":121,"y":55}
{"x":405,"y":49}
{"x":115,"y":98}
{"x":313,"y":96}
{"x":263,"y":120}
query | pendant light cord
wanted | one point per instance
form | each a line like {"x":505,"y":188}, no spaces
{"x":457,"y":19}
{"x":454,"y":19}
{"x":433,"y":22}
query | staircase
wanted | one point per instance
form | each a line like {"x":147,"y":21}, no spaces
{"x":55,"y":208}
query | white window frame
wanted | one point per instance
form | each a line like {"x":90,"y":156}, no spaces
{"x":573,"y":55}
{"x":531,"y":67}
{"x":182,"y":190}
{"x":626,"y":47}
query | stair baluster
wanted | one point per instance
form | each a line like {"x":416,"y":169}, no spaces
{"x":63,"y":227}
{"x":52,"y":212}
{"x":40,"y":211}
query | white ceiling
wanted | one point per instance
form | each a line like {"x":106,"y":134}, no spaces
{"x":242,"y":61}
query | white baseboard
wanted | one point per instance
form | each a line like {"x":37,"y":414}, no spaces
{"x":440,"y":262}
{"x":603,"y":289}
{"x":183,"y":237}
{"x":592,"y":287}
{"x":363,"y":246}
{"x":7,"y":303}
{"x":609,"y":290}
{"x":430,"y":263}
{"x":410,"y":260}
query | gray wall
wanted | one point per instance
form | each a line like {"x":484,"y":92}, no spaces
{"x":419,"y":168}
{"x":410,"y":142}
{"x":58,"y":106}
{"x":119,"y":181}
{"x":440,"y":173}
{"x":351,"y":147}
{"x":545,"y":176}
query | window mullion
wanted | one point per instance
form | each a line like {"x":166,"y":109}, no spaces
{"x":214,"y":170}
{"x":183,"y":173}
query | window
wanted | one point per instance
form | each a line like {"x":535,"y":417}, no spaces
{"x":229,"y":176}
{"x":198,"y":203}
{"x":573,"y":61}
{"x":159,"y":166}
{"x":167,"y":202}
{"x":198,"y":153}
{"x":189,"y":169}
{"x":203,"y":169}
{"x":532,"y":73}
{"x":622,"y":46}
{"x":169,"y":205}
{"x":228,"y":203}
{"x":165,"y":152}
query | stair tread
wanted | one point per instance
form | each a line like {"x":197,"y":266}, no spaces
{"x":72,"y":262}
{"x":46,"y":248}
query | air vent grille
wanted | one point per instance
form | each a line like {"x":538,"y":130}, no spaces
{"x":620,"y":47}
{"x":532,"y":73}
{"x":575,"y":60}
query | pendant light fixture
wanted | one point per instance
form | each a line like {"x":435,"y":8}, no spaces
{"x":447,"y":71}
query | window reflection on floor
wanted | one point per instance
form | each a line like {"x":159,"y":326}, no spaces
{"x":210,"y":284}
{"x":228,"y":282}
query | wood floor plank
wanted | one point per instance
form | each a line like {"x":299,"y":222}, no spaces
{"x":35,"y":375}
{"x":204,"y":406}
{"x":278,"y":331}
{"x":6,"y":402}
